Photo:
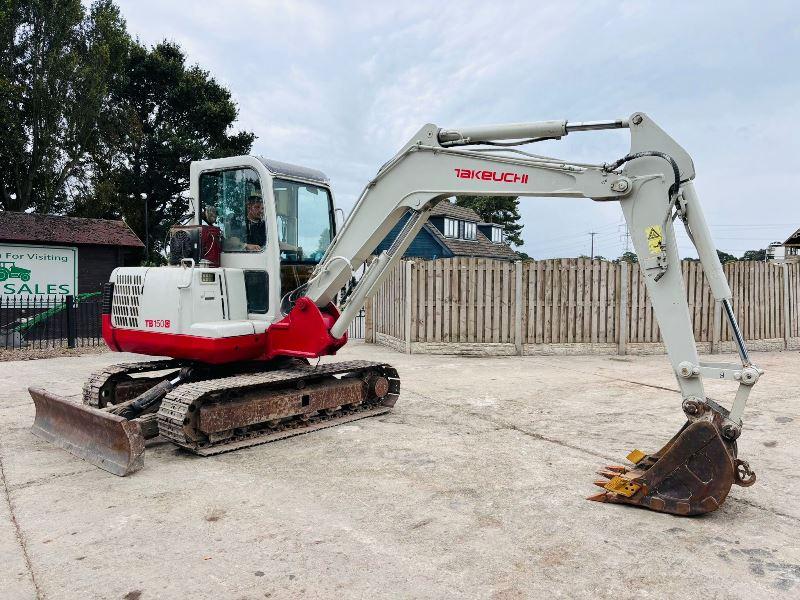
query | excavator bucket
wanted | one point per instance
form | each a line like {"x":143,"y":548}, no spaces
{"x":105,"y":440}
{"x":691,"y":475}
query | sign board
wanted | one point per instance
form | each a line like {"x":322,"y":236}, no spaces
{"x":37,"y":271}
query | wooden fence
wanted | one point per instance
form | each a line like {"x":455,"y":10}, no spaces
{"x":560,"y":306}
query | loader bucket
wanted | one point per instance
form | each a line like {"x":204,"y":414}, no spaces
{"x":691,"y":475}
{"x":108,"y":441}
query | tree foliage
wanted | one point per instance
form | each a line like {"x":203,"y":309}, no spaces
{"x":55,"y":66}
{"x":94,"y":121}
{"x":725,"y":257}
{"x":757,"y":255}
{"x":503,"y":210}
{"x":167,"y":114}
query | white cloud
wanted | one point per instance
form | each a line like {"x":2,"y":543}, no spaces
{"x":340,"y":86}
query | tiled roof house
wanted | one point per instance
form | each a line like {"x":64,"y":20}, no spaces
{"x":454,"y":231}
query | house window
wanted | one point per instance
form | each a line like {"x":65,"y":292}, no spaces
{"x":497,"y":235}
{"x":451,"y":228}
{"x":468,"y":230}
{"x":465,"y":230}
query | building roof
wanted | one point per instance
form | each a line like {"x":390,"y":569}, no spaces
{"x":445,"y":208}
{"x":793,"y":240}
{"x":481,"y":246}
{"x":55,"y":229}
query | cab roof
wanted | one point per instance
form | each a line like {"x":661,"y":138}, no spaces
{"x":282,"y":169}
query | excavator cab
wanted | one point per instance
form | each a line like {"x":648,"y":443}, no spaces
{"x":276,"y":222}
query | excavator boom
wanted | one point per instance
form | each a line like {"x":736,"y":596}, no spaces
{"x":693,"y":473}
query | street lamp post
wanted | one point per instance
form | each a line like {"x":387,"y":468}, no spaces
{"x":146,"y":229}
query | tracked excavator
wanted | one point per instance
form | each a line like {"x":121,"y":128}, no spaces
{"x":250,"y":301}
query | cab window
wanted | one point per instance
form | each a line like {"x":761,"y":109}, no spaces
{"x":232,"y":200}
{"x":305,"y":224}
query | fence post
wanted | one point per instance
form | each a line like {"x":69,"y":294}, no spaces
{"x":716,"y":327}
{"x":408,"y":299}
{"x":369,"y":320}
{"x":518,"y":306}
{"x":70,"y":322}
{"x":787,"y":322}
{"x":622,"y":308}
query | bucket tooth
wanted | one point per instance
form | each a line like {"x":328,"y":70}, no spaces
{"x":601,"y":497}
{"x":617,"y":468}
{"x":609,"y":474}
{"x":105,"y":440}
{"x":691,"y":475}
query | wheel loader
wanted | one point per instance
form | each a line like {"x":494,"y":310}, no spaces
{"x":249,"y":302}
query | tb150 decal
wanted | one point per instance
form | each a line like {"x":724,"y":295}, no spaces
{"x":157,"y":323}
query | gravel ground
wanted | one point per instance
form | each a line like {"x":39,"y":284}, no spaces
{"x":40,"y":353}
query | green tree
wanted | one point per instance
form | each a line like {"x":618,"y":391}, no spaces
{"x":724,"y":257}
{"x":55,"y":64}
{"x":757,"y":255}
{"x":167,"y":115}
{"x":629,"y":256}
{"x":503,"y":210}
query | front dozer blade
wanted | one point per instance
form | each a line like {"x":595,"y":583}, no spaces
{"x":105,"y":440}
{"x":691,"y":475}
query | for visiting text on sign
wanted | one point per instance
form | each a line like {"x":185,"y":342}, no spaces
{"x":27,"y":271}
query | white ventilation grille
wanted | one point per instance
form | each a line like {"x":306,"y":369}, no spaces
{"x":125,"y":305}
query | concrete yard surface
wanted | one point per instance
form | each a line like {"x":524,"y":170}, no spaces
{"x":473,"y":487}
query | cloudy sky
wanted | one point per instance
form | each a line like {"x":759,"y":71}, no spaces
{"x":341,"y":86}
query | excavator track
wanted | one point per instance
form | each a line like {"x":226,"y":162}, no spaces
{"x":256,"y":408}
{"x":114,"y":384}
{"x":103,"y":386}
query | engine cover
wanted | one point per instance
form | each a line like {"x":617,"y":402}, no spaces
{"x":182,"y":312}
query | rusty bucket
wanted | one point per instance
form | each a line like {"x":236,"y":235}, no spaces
{"x":105,"y":440}
{"x":691,"y":475}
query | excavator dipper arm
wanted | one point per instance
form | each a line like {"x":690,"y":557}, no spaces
{"x":693,"y":473}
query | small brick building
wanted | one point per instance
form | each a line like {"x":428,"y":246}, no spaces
{"x":102,"y":244}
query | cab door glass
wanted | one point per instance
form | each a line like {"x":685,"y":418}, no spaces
{"x":232,"y":200}
{"x":305,"y":221}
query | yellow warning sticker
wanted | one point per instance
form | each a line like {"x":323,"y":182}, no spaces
{"x":654,"y":238}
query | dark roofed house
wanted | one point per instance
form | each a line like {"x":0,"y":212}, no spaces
{"x":102,"y":245}
{"x":452,"y":231}
{"x":788,"y":251}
